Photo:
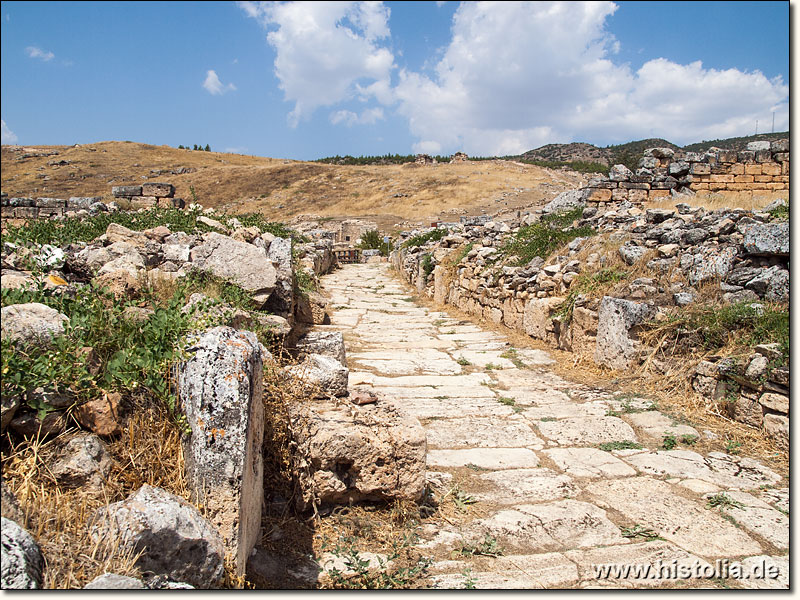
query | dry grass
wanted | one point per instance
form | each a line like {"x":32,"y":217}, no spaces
{"x":149,"y":451}
{"x":755,"y":200}
{"x":282,"y":189}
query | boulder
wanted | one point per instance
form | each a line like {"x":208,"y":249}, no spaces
{"x":31,"y":323}
{"x":242,"y":263}
{"x":373,"y":452}
{"x":112,"y":581}
{"x":767,"y":239}
{"x":221,"y":391}
{"x":321,"y":376}
{"x":566,"y":201}
{"x":84,"y":462}
{"x":22,"y":560}
{"x":711,"y":264}
{"x":327,"y":343}
{"x":101,"y":415}
{"x":173,"y":537}
{"x":617,"y":346}
{"x":620,"y":173}
{"x":632,"y":254}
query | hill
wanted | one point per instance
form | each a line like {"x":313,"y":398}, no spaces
{"x":284,"y":189}
{"x":624,"y":153}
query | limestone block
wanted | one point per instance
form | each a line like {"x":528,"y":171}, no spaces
{"x":173,"y":537}
{"x":221,"y":390}
{"x":617,"y":346}
{"x":371,"y":452}
{"x":31,"y":323}
{"x":124,"y":191}
{"x":159,"y":190}
{"x":777,"y":427}
{"x":242,"y":263}
{"x":537,"y":318}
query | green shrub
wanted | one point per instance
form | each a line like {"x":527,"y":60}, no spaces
{"x":422,"y":238}
{"x":427,"y":266}
{"x":544,"y":237}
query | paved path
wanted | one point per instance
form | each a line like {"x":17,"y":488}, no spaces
{"x":526,"y":444}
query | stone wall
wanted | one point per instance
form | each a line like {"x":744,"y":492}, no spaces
{"x":148,"y":195}
{"x":762,"y":168}
{"x":43,"y":208}
{"x":743,"y":254}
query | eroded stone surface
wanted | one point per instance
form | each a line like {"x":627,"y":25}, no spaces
{"x":587,"y":431}
{"x":684,"y":522}
{"x":558,"y":525}
{"x":481,"y":432}
{"x":588,"y":462}
{"x":527,"y":485}
{"x":484,"y":458}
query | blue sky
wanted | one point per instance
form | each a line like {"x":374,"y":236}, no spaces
{"x":312,"y":79}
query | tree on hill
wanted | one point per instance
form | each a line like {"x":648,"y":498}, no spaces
{"x":208,"y":148}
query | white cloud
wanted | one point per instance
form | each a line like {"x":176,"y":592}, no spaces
{"x":6,"y":135}
{"x":518,"y":75}
{"x":327,"y":52}
{"x":36,"y":52}
{"x":214,"y":86}
{"x":368,"y":117}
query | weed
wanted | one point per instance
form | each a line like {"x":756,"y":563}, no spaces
{"x":475,"y":467}
{"x":669,"y":441}
{"x":621,"y":445}
{"x":722,"y":500}
{"x":511,"y":354}
{"x":358,"y":574}
{"x":506,"y":401}
{"x":469,"y":580}
{"x":689,"y":439}
{"x":713,"y":327}
{"x":490,"y":366}
{"x":639,"y":531}
{"x":463,"y":361}
{"x":488,"y":546}
{"x":547,"y":419}
{"x":427,"y":266}
{"x":462,"y":254}
{"x":780,"y":213}
{"x":732,"y":447}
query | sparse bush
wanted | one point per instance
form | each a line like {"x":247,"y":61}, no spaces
{"x":542,"y":238}
{"x":423,"y":238}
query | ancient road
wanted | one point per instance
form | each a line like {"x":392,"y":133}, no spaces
{"x":526,"y":444}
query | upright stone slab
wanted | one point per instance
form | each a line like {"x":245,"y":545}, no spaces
{"x":282,"y":299}
{"x":616,"y":345}
{"x":221,"y":391}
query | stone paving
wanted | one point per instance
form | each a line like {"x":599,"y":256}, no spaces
{"x":528,"y":446}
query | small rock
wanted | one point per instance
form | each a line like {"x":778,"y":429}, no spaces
{"x":112,"y":581}
{"x":102,"y":415}
{"x":85,"y":462}
{"x":22,"y":560}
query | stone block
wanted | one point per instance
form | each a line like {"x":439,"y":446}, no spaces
{"x":159,"y":190}
{"x":771,"y":168}
{"x":721,"y":179}
{"x":26,"y":212}
{"x":777,"y":428}
{"x":752,"y":169}
{"x":138,"y":202}
{"x":221,"y":390}
{"x":638,"y":196}
{"x":700,"y":169}
{"x":126,"y":191}
{"x":744,"y":178}
{"x":598,"y":195}
{"x":727,"y":156}
{"x":22,"y":561}
{"x":617,"y":346}
{"x":775,"y":402}
{"x":537,"y":319}
{"x":763,"y":156}
{"x":736,"y":169}
{"x":374,"y":452}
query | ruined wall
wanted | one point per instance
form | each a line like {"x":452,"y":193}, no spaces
{"x":762,"y":168}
